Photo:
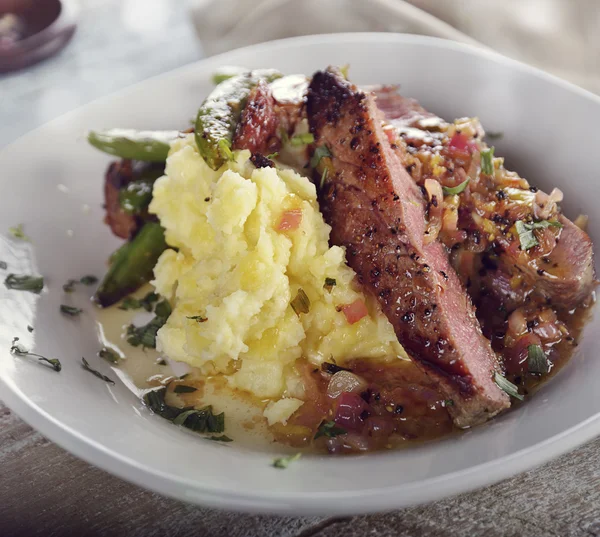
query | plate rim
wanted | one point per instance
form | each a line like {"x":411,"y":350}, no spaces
{"x":304,"y":503}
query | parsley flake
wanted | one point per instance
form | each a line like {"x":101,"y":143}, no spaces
{"x":87,"y":367}
{"x":329,"y":429}
{"x":284,"y":462}
{"x":525,"y":231}
{"x":507,"y":386}
{"x":23,"y":282}
{"x":19,"y":350}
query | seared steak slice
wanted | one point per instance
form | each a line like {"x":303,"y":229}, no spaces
{"x":258,"y":124}
{"x":564,"y":275}
{"x":376,"y":211}
{"x":118,"y":175}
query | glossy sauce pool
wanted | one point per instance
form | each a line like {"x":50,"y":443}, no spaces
{"x":398,"y":394}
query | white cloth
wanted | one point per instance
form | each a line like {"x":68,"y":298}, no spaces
{"x":560,"y":36}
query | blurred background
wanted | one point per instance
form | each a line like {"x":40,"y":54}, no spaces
{"x":57,"y":55}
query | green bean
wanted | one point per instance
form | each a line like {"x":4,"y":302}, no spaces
{"x":150,"y":146}
{"x":132,"y":265}
{"x":220,"y":113}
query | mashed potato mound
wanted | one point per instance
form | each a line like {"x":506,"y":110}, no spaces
{"x":232,"y":275}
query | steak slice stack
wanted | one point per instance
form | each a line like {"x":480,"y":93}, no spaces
{"x":377,"y":212}
{"x":566,"y":275}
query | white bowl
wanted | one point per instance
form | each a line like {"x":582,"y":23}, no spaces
{"x":550,"y":136}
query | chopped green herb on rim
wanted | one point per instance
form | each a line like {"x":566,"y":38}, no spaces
{"x":70,"y":310}
{"x":329,"y":284}
{"x":18,"y":350}
{"x":23,"y":282}
{"x":109,"y":355}
{"x":284,"y":462}
{"x":18,"y":233}
{"x":87,"y":367}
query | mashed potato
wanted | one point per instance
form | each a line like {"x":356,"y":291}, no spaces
{"x":234,"y":272}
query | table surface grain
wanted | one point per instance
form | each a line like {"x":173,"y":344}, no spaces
{"x":47,"y":492}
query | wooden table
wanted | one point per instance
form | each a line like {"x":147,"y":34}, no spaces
{"x":45,"y":491}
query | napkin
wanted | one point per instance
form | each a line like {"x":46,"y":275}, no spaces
{"x":560,"y":36}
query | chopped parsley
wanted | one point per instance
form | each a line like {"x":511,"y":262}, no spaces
{"x":89,"y":279}
{"x":498,"y":135}
{"x":198,"y":318}
{"x":221,"y":438}
{"x":525,"y":231}
{"x":507,"y":386}
{"x":329,"y":429}
{"x":3,"y":265}
{"x":329,"y":284}
{"x":302,"y":139}
{"x":451,"y":191}
{"x":69,"y":287}
{"x":320,"y":152}
{"x":182,"y":388}
{"x":109,"y":355}
{"x":271,"y":156}
{"x":301,"y":302}
{"x":537,"y":361}
{"x":18,"y":233}
{"x":284,"y":462}
{"x":146,"y":335}
{"x":23,"y":282}
{"x":29,"y":328}
{"x":70,"y":310}
{"x":131,"y":303}
{"x":87,"y":367}
{"x":487,"y":161}
{"x":18,"y":350}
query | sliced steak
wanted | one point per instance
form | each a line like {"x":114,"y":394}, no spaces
{"x":259,"y":122}
{"x":118,"y":176}
{"x":565,"y":275}
{"x":376,"y":212}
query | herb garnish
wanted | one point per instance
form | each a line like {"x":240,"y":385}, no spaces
{"x":284,"y":462}
{"x":70,"y":310}
{"x":131,"y":303}
{"x":162,"y":361}
{"x":329,"y":284}
{"x":451,"y":191}
{"x":301,"y":302}
{"x":537,"y":361}
{"x":487,"y":163}
{"x":23,"y":282}
{"x":29,"y":328}
{"x":3,"y":265}
{"x":271,"y":156}
{"x":202,"y":420}
{"x":323,"y":177}
{"x":525,"y":230}
{"x":320,"y":152}
{"x":302,"y":139}
{"x":198,"y":318}
{"x":87,"y":367}
{"x":221,"y":438}
{"x":18,"y":350}
{"x":329,"y":429}
{"x":69,"y":287}
{"x":18,"y":233}
{"x":182,"y":388}
{"x":109,"y":355}
{"x":146,"y":335}
{"x":448,"y":402}
{"x":507,"y":386}
{"x":89,"y":279}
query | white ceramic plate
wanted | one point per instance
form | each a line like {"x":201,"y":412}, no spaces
{"x":550,"y":136}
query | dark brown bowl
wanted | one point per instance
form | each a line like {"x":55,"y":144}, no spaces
{"x":38,"y":29}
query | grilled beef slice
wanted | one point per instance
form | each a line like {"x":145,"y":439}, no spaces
{"x":118,"y":175}
{"x":566,"y":275}
{"x":376,"y":212}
